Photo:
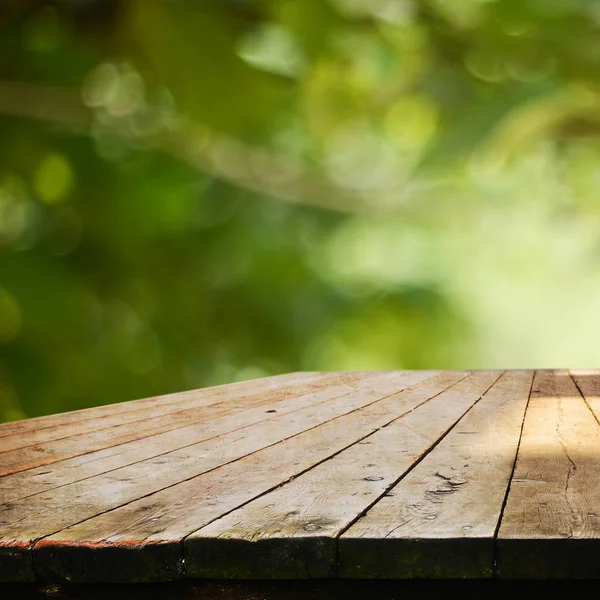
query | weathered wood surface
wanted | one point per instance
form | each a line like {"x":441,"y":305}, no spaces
{"x":28,"y":449}
{"x":23,"y":523}
{"x":79,"y":416}
{"x":398,"y":474}
{"x":292,"y":531}
{"x":551,"y":527}
{"x":440,"y":520}
{"x":83,"y":456}
{"x":269,"y":456}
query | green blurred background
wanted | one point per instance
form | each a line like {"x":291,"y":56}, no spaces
{"x":194,"y":192}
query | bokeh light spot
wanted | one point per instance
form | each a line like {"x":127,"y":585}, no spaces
{"x":272,"y":48}
{"x":100,"y":84}
{"x":53,"y":179}
{"x":411,"y":121}
{"x":15,"y":210}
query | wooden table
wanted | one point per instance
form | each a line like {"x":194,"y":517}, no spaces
{"x":397,"y":474}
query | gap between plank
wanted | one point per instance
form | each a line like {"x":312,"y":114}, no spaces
{"x":584,"y":398}
{"x":495,"y":563}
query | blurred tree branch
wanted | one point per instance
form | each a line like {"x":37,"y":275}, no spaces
{"x":256,"y":169}
{"x":47,"y":103}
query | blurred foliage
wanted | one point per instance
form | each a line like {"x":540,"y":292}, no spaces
{"x":195,"y":192}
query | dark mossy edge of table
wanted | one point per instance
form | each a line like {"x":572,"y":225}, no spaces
{"x":320,"y":589}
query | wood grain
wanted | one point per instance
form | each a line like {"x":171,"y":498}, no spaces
{"x":208,"y":422}
{"x":34,"y":444}
{"x":59,"y":450}
{"x":440,"y":520}
{"x":291,"y":532}
{"x":162,"y":519}
{"x":38,"y":517}
{"x":229,"y":390}
{"x":550,"y":524}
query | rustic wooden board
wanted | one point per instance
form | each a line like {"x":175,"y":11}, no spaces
{"x":440,"y":520}
{"x":183,"y":426}
{"x":218,"y":419}
{"x":118,"y":539}
{"x":399,"y":474}
{"x":30,"y":449}
{"x":291,"y":532}
{"x":23,"y":523}
{"x":550,"y":525}
{"x":77,"y":416}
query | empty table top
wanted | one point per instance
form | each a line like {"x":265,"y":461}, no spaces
{"x":395,"y":474}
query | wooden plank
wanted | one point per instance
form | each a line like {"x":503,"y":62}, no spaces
{"x":292,"y":531}
{"x":23,"y":523}
{"x":33,"y":439}
{"x":219,"y":420}
{"x":41,"y":455}
{"x":440,"y":520}
{"x":588,"y":383}
{"x":118,"y":540}
{"x":550,"y":525}
{"x":229,"y":389}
